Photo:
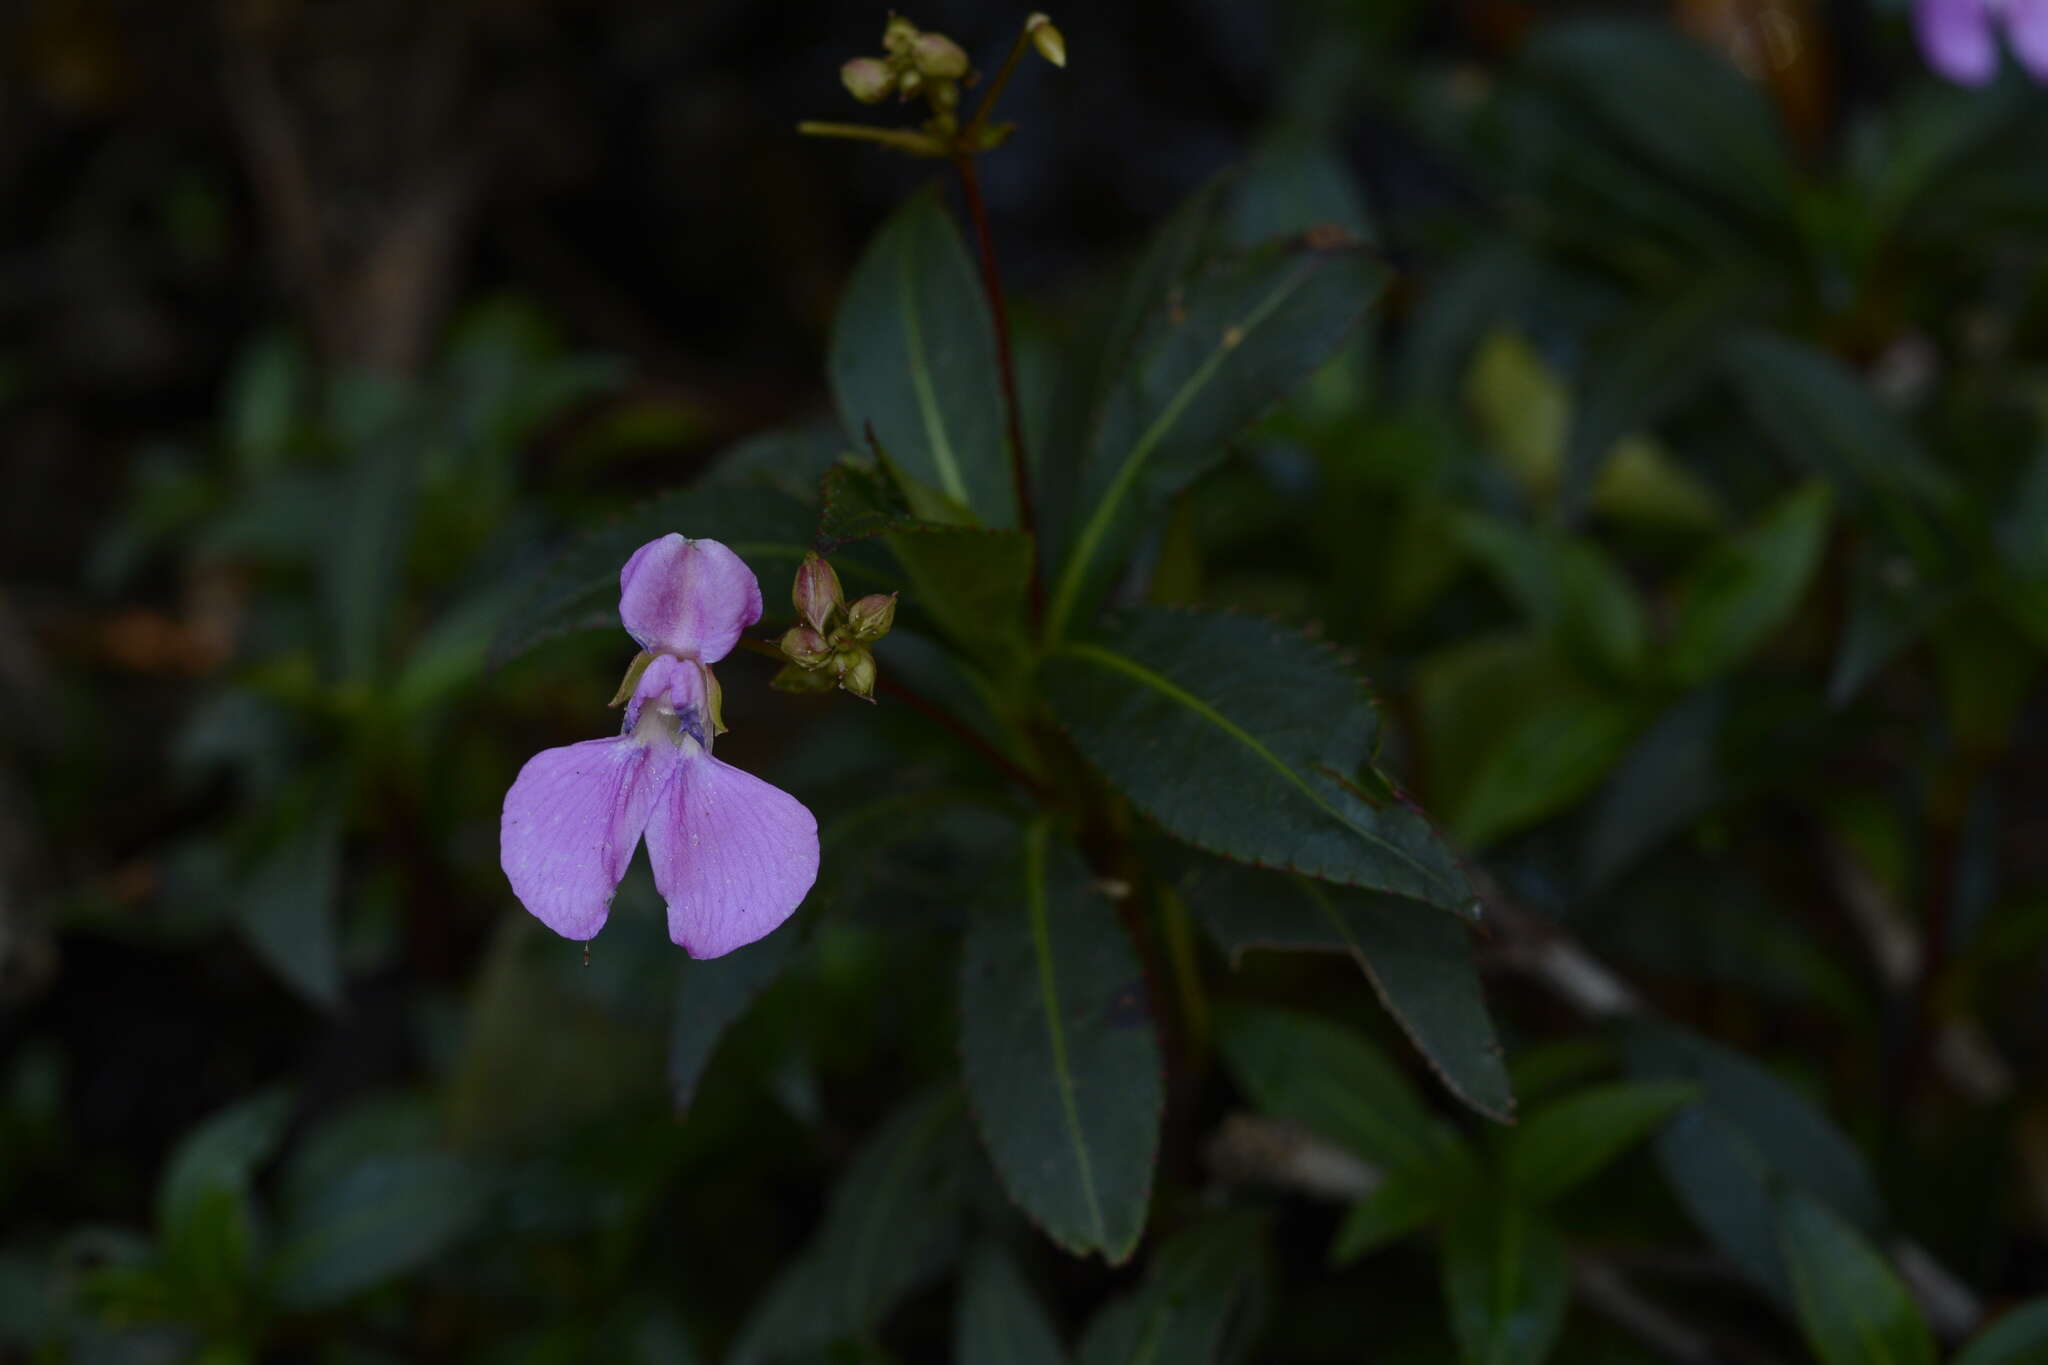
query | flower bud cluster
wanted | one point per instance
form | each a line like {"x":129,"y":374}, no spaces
{"x":916,"y":63}
{"x":828,"y":647}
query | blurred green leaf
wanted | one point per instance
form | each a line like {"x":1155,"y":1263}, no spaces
{"x":1639,"y":367}
{"x":1714,"y":137}
{"x":914,"y":356}
{"x":1567,"y":1140}
{"x":1214,"y":358}
{"x":999,"y":1321}
{"x":710,"y":996}
{"x":893,"y":1225}
{"x":1823,"y":420}
{"x":1745,"y":587}
{"x":1890,"y":606}
{"x":289,"y":903}
{"x":1404,"y":1202}
{"x":1506,"y":1281}
{"x":368,"y":534}
{"x":2018,"y":1337}
{"x":221,"y":1154}
{"x":377,"y":1220}
{"x":1418,"y":960}
{"x":1669,"y":778}
{"x":1062,"y":1067}
{"x":1852,"y":1308}
{"x":1202,"y":1301}
{"x":1748,"y":1136}
{"x":1333,"y":1080}
{"x":262,"y":406}
{"x":1550,"y":756}
{"x":1243,"y":738}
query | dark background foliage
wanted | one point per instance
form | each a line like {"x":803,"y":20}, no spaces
{"x":1686,"y":504}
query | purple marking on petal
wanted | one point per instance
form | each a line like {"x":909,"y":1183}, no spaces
{"x":680,"y":684}
{"x":688,"y":597}
{"x":733,"y":856}
{"x":1956,"y":38}
{"x":2026,"y":24}
{"x":572,"y":819}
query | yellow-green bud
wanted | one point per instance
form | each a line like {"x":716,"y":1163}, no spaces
{"x":868,"y":79}
{"x":816,"y":593}
{"x":871,"y":617}
{"x":1050,"y":42}
{"x":938,"y":57}
{"x":859,"y":675}
{"x":898,"y":37}
{"x":805,"y":647}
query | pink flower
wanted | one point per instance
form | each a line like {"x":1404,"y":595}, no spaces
{"x":732,"y":855}
{"x":1959,"y":37}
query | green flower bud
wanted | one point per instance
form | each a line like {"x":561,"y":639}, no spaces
{"x":859,"y":675}
{"x":868,"y":79}
{"x":817,"y":593}
{"x":805,"y":647}
{"x":871,"y":617}
{"x":938,"y":57}
{"x":899,"y":36}
{"x":1050,"y":42}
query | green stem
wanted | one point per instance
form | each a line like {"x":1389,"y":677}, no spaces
{"x":901,"y":138}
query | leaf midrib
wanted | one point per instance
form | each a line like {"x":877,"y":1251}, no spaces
{"x":1048,"y":989}
{"x":921,"y":379}
{"x":1172,"y":691}
{"x":1085,"y":548}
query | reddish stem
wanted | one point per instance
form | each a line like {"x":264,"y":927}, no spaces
{"x":992,"y":284}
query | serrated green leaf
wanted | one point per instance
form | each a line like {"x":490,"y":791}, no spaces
{"x":1506,"y":1281}
{"x":1852,"y":1308}
{"x":1568,"y":1140}
{"x":579,"y":588}
{"x":1062,"y":1067}
{"x":1242,"y":737}
{"x":1418,"y":960}
{"x":1214,"y":358}
{"x":1745,"y":587}
{"x":893,"y":1225}
{"x":1333,"y":1080}
{"x":380,"y":1219}
{"x":2019,"y":1337}
{"x":1202,"y":1302}
{"x":913,"y":355}
{"x":972,"y":583}
{"x":999,"y":1319}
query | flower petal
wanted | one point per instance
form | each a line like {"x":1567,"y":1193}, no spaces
{"x":733,"y":856}
{"x":1956,"y":39}
{"x":571,"y":822}
{"x":688,"y":597}
{"x":678,"y":684}
{"x":2026,"y":23}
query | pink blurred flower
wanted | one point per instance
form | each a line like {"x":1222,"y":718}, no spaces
{"x":1960,"y":37}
